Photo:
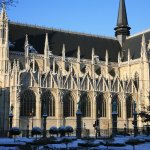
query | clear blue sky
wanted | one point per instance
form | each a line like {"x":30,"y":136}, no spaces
{"x":89,"y":16}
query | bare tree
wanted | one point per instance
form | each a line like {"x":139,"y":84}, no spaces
{"x":145,"y":114}
{"x":8,"y":2}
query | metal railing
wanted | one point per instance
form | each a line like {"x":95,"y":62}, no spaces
{"x":87,"y":132}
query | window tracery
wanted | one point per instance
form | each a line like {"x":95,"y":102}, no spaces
{"x":101,"y":106}
{"x":27,"y":103}
{"x":49,"y":101}
{"x":85,"y":106}
{"x":118,"y":102}
{"x":68,"y":106}
{"x":129,"y":107}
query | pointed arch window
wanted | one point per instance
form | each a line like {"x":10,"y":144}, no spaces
{"x":68,"y":106}
{"x":27,"y":103}
{"x":100,"y":106}
{"x":119,"y":108}
{"x":85,"y":106}
{"x":49,"y":101}
{"x":129,"y":107}
{"x":118,"y":102}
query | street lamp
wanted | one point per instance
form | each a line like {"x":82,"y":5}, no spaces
{"x":31,"y":115}
{"x":147,"y":129}
{"x":98,"y":124}
{"x":135,"y":119}
{"x":10,"y":118}
{"x":78,"y":120}
{"x":27,"y":130}
{"x":125,"y":129}
{"x":44,"y":120}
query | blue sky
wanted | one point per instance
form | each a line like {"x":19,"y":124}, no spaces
{"x":89,"y":16}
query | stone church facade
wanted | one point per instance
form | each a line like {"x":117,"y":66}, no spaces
{"x":54,"y":70}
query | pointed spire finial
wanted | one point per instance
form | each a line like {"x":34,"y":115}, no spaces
{"x":78,"y":54}
{"x":143,"y":40}
{"x":63,"y":52}
{"x":46,"y":48}
{"x":3,"y":11}
{"x":122,"y":28}
{"x":3,"y":5}
{"x":106,"y":57}
{"x":93,"y":53}
{"x":122,"y":14}
{"x":26,"y":41}
{"x":46,"y":42}
{"x":143,"y":45}
{"x":144,"y":48}
{"x":26,"y":49}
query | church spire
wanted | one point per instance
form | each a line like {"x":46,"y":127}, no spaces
{"x":26,"y":48}
{"x":4,"y":26}
{"x":46,"y":48}
{"x":4,"y":36}
{"x":46,"y":53}
{"x":122,"y":15}
{"x":122,"y":28}
{"x":3,"y":14}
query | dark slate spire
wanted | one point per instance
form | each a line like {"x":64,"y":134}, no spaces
{"x":122,"y":29}
{"x":122,"y":15}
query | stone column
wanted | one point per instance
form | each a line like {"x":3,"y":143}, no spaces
{"x":57,"y":108}
{"x":10,"y":120}
{"x":94,"y":115}
{"x":109,"y":116}
{"x":124,"y":108}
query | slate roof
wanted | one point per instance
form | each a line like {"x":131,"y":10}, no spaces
{"x":134,"y":44}
{"x":36,"y":36}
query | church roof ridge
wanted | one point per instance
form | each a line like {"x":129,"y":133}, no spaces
{"x":139,"y":33}
{"x":62,"y":30}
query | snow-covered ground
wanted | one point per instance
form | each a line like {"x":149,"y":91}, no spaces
{"x":74,"y":143}
{"x":19,"y":140}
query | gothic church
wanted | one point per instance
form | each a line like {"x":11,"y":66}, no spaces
{"x":57,"y":69}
